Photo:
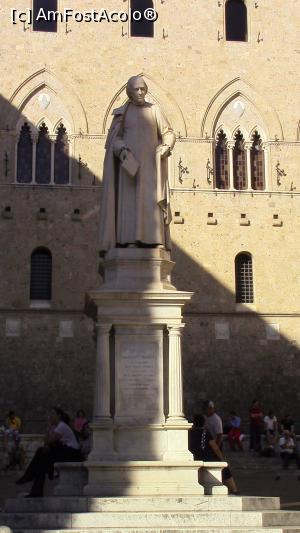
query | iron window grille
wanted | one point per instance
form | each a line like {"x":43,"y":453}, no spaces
{"x":244,"y":278}
{"x":41,"y":275}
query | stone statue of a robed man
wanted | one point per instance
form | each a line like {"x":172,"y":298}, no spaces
{"x":135,"y":204}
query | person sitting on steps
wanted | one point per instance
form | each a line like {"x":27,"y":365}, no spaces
{"x":60,"y":445}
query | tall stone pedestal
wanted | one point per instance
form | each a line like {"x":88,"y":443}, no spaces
{"x":140,"y":433}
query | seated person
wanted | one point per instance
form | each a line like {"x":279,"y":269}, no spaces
{"x":14,"y":452}
{"x":288,"y":423}
{"x":60,"y":445}
{"x":80,"y":422}
{"x":13,"y":422}
{"x":288,"y":449}
{"x":83,"y":432}
{"x":12,"y":428}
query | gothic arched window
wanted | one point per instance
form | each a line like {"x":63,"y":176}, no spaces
{"x":24,"y":156}
{"x":43,"y":156}
{"x":221,"y":162}
{"x":239,"y":163}
{"x":61,"y":157}
{"x":42,"y":19}
{"x":236,"y":20}
{"x":41,"y":274}
{"x":244,"y":278}
{"x":257,"y":164}
{"x":142,"y":27}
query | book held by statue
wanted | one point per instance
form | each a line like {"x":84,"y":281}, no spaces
{"x":130,"y":164}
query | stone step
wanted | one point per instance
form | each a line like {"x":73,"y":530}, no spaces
{"x":154,"y":519}
{"x":281,"y":518}
{"x":142,"y":529}
{"x":143,"y":503}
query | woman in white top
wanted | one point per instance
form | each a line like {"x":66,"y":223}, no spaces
{"x":61,"y":445}
{"x":271,"y":428}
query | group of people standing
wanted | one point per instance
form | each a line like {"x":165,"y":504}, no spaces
{"x":210,"y":438}
{"x":283,"y":434}
{"x":258,"y":425}
{"x":206,"y":437}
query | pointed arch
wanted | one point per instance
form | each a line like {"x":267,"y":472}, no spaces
{"x":239,"y":129}
{"x":158,"y":95}
{"x":44,"y":79}
{"x":257,"y":128}
{"x":222,"y":128}
{"x":24,"y":120}
{"x":62,"y":122}
{"x":47,"y":122}
{"x":240,"y":88}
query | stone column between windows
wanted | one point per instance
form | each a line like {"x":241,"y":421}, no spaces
{"x":248,"y":147}
{"x":175,"y":375}
{"x":34,"y":143}
{"x":102,"y":375}
{"x":230,"y":146}
{"x":52,"y":140}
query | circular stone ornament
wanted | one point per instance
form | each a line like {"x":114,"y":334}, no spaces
{"x":238,"y":108}
{"x":44,"y":100}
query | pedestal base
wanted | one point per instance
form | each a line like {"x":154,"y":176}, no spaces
{"x":141,"y":478}
{"x":152,"y":442}
{"x":103,"y":441}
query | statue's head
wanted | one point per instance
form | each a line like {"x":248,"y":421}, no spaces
{"x":136,"y":90}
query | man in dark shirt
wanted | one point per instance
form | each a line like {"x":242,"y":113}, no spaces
{"x":204,"y":448}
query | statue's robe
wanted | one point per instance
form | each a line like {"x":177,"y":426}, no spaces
{"x":136,"y":209}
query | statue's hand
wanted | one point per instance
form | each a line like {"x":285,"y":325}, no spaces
{"x":123,"y":154}
{"x":165,"y":150}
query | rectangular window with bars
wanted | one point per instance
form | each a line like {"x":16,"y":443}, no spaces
{"x":41,"y":275}
{"x":244,"y":279}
